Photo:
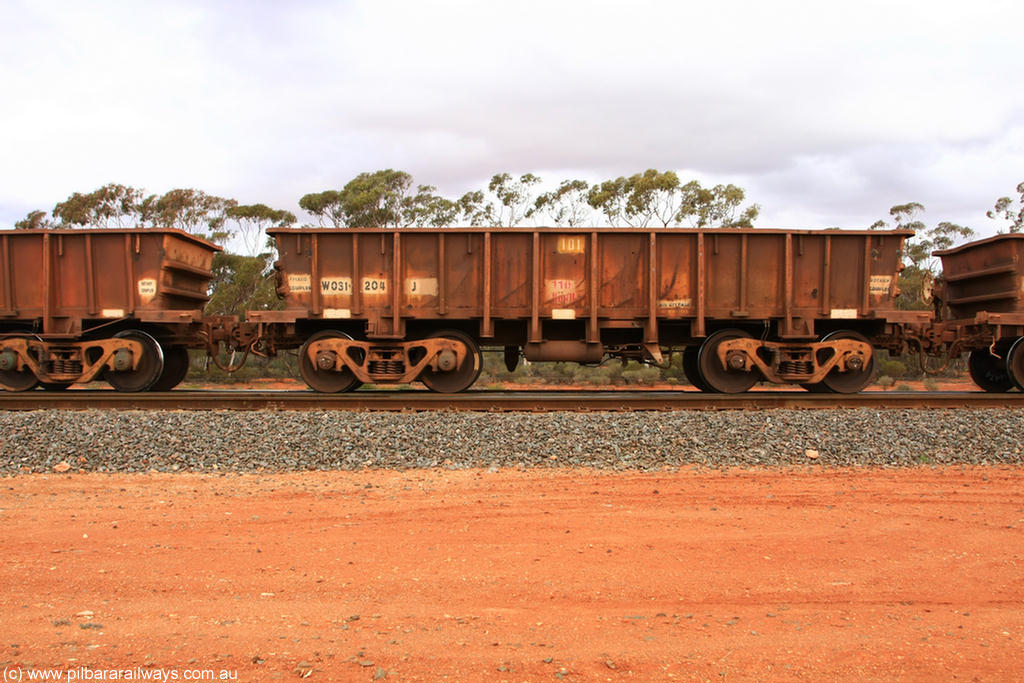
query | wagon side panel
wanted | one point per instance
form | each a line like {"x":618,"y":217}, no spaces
{"x":463,"y":273}
{"x":622,"y":270}
{"x":21,"y":276}
{"x":678,"y":295}
{"x":512,"y":274}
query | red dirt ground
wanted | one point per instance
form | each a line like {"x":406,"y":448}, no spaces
{"x":780,"y":575}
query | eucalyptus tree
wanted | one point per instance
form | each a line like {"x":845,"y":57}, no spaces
{"x":428,"y":209}
{"x":921,"y":268}
{"x":111,"y":206}
{"x":1011,"y":210}
{"x":35,"y":220}
{"x":251,"y":222}
{"x":193,"y":211}
{"x":610,"y":198}
{"x":567,"y":204}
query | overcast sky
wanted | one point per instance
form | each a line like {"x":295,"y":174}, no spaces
{"x":827,"y":113}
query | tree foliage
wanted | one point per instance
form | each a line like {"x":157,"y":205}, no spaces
{"x":428,"y":209}
{"x":717,"y":207}
{"x":242,"y":283}
{"x":610,"y":197}
{"x":374,"y":200}
{"x":123,"y":206}
{"x":326,"y":206}
{"x":35,"y":220}
{"x":382,"y":199}
{"x":387,"y":199}
{"x":252,"y":221}
{"x":566,"y":204}
{"x":195,"y":212}
{"x":921,"y":268}
{"x":1010,"y":210}
{"x":506,"y":203}
{"x":111,"y":206}
{"x":659,"y":197}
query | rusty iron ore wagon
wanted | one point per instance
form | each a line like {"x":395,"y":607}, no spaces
{"x":121,"y":305}
{"x":744,"y":305}
{"x":980,"y":299}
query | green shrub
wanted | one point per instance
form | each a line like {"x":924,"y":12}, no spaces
{"x":892,"y":368}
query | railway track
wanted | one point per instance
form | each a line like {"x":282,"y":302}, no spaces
{"x":498,"y":401}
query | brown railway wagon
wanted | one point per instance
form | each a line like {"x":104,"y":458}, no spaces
{"x":981,"y":298}
{"x":122,"y":304}
{"x":371,"y":305}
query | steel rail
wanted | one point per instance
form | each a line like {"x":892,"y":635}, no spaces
{"x":499,"y":401}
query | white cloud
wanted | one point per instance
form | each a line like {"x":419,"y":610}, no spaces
{"x":826,"y":113}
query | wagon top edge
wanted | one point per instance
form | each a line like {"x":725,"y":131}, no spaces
{"x":978,"y":243}
{"x":116,"y":231}
{"x":582,"y":230}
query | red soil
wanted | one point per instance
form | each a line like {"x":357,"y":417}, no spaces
{"x":782,"y":575}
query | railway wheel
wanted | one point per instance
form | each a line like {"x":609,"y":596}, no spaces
{"x":1015,"y":363}
{"x":851,"y":381}
{"x":690,"y":369}
{"x":321,"y":376}
{"x":12,"y":379}
{"x":723,"y":380}
{"x":149,"y":367}
{"x":175,"y":368}
{"x":457,"y":378}
{"x":990,"y":372}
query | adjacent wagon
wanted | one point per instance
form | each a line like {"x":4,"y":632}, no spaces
{"x":120,"y":305}
{"x":980,"y":298}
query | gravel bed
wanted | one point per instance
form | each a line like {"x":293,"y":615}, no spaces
{"x":134,"y":441}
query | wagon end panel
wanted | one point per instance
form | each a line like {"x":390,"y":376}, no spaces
{"x":182,"y":276}
{"x":294,"y":273}
{"x":986,"y":276}
{"x":141,"y":273}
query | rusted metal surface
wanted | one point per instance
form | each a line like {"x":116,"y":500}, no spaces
{"x":399,"y":362}
{"x":63,"y":281}
{"x":983,"y":281}
{"x":486,"y":401}
{"x":79,"y":364}
{"x":605,"y":277}
{"x":69,"y":296}
{"x":584,"y":294}
{"x":980,"y":301}
{"x":782,"y":363}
